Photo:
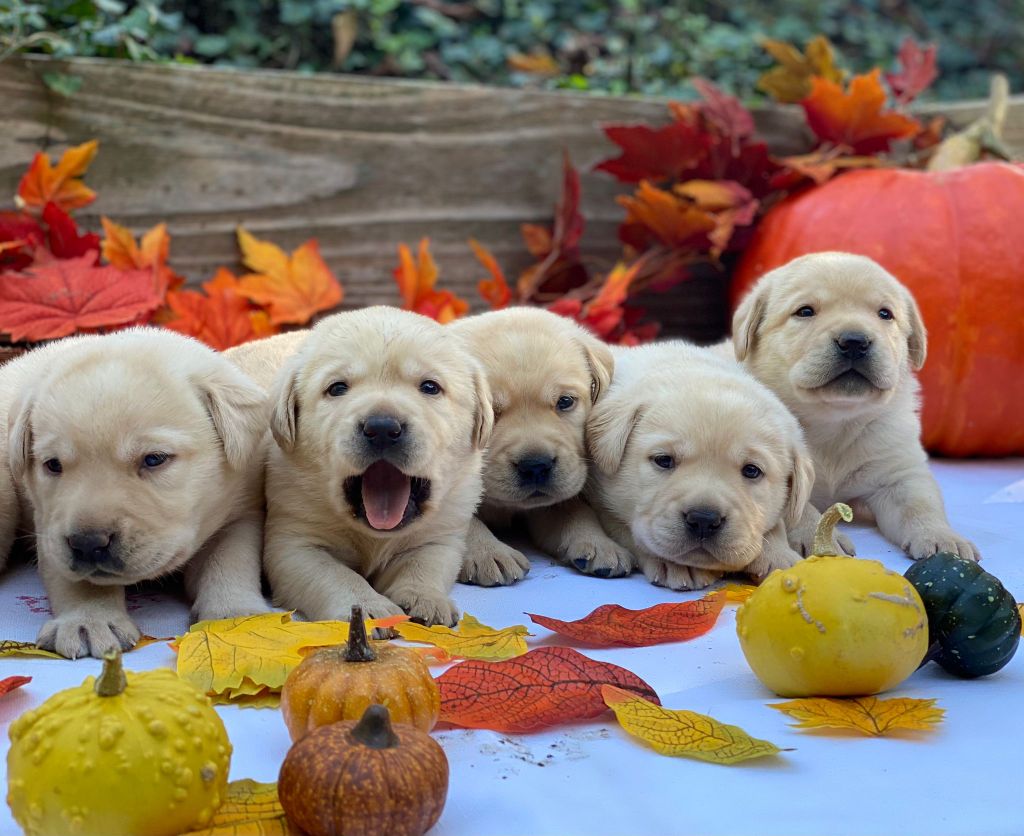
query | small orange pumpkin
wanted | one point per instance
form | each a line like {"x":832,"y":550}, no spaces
{"x":364,"y":779}
{"x":339,"y":683}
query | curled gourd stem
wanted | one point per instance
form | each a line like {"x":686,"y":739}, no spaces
{"x":374,"y":729}
{"x":111,"y":680}
{"x":825,"y":531}
{"x":358,"y":649}
{"x":983,"y":134}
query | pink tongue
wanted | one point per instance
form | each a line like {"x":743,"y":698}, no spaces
{"x":385,"y":495}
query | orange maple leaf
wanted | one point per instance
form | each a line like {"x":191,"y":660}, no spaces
{"x":151,"y":253}
{"x":416,"y":280}
{"x":655,"y":213}
{"x":45,"y":183}
{"x":221,"y":317}
{"x":495,"y":290}
{"x":857,"y":118}
{"x":293,"y":289}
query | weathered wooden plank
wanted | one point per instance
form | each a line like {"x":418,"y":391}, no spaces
{"x":362,"y":164}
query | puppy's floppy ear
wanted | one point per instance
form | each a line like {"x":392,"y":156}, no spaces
{"x":918,"y":339}
{"x":284,"y":406}
{"x":483,"y":412}
{"x":600,"y":361}
{"x":237,"y":407}
{"x":19,"y":434}
{"x":801,"y":483}
{"x":608,"y":431}
{"x":746,"y":322}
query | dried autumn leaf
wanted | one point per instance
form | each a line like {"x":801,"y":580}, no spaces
{"x":294,"y":288}
{"x":868,"y":715}
{"x":151,"y":253}
{"x":819,"y":166}
{"x":544,"y":687}
{"x":495,"y":290}
{"x":790,"y":82}
{"x":20,"y":233}
{"x":470,"y":639}
{"x":726,"y":113}
{"x":416,"y":280}
{"x":730,"y":204}
{"x":737,"y":593}
{"x":917,"y":71}
{"x":61,"y":297}
{"x":856,"y":118}
{"x":537,"y":63}
{"x":11,"y":682}
{"x":218,"y":656}
{"x":250,"y":808}
{"x":684,"y":733}
{"x":655,"y":154}
{"x":63,"y":236}
{"x":654,"y":215}
{"x":47,"y":183}
{"x":220,"y":318}
{"x":611,"y":625}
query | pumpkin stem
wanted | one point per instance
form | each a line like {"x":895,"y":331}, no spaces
{"x":358,"y":649}
{"x":374,"y":729}
{"x":826,"y":529}
{"x":111,"y":680}
{"x":984,"y":134}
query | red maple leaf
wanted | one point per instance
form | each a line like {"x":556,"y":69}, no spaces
{"x":61,"y":297}
{"x":24,"y":234}
{"x":724,"y":112}
{"x":917,"y":71}
{"x":605,"y":313}
{"x":856,"y":118}
{"x":655,"y":154}
{"x":62,"y":234}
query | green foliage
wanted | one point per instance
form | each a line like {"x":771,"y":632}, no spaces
{"x":620,"y":47}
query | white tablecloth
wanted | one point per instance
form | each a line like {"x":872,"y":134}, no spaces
{"x":592,"y":778}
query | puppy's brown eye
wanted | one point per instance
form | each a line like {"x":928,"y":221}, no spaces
{"x":752,"y":471}
{"x":151,"y":461}
{"x":54,"y":466}
{"x":884,"y":313}
{"x":430,"y":387}
{"x":565,"y":403}
{"x":337,"y":389}
{"x":804,"y":312}
{"x":664,"y":462}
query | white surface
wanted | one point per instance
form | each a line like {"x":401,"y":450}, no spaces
{"x":592,"y":778}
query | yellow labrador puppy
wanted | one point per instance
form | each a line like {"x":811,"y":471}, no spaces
{"x":545,"y":374}
{"x":699,"y":468}
{"x":129,"y":456}
{"x":380,"y":417}
{"x":838,"y":339}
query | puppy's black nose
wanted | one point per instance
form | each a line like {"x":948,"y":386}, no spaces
{"x":382,"y":432}
{"x":91,"y":549}
{"x":853,"y":345}
{"x":535,"y":471}
{"x":703,"y":522}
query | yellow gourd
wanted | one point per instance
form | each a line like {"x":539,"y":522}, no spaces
{"x":833,"y":626}
{"x":142,"y":755}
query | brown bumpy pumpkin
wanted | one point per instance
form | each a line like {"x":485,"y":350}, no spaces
{"x":339,"y":683}
{"x":364,"y":778}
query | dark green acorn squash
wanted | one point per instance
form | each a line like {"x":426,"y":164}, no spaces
{"x":973,"y":622}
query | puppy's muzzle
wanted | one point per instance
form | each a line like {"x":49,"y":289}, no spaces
{"x":382,"y":432}
{"x":94,"y":552}
{"x":853,"y":345}
{"x":535,"y":471}
{"x":703,"y":523}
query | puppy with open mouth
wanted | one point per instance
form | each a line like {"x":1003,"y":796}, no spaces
{"x":129,"y":456}
{"x":380,"y":417}
{"x":838,"y":339}
{"x":698,"y":467}
{"x":545,"y":373}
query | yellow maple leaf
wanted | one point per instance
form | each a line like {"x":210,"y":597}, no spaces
{"x":790,"y":81}
{"x":683,"y":733}
{"x":868,"y":715}
{"x":250,"y":809}
{"x":469,"y":640}
{"x":239,"y":656}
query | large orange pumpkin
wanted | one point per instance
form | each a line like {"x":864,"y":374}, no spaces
{"x":956,"y":239}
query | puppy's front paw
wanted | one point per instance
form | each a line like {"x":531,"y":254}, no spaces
{"x":428,"y":608}
{"x":74,"y":635}
{"x":603,"y":558}
{"x":926,"y":543}
{"x":497,"y":565}
{"x":674,"y":576}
